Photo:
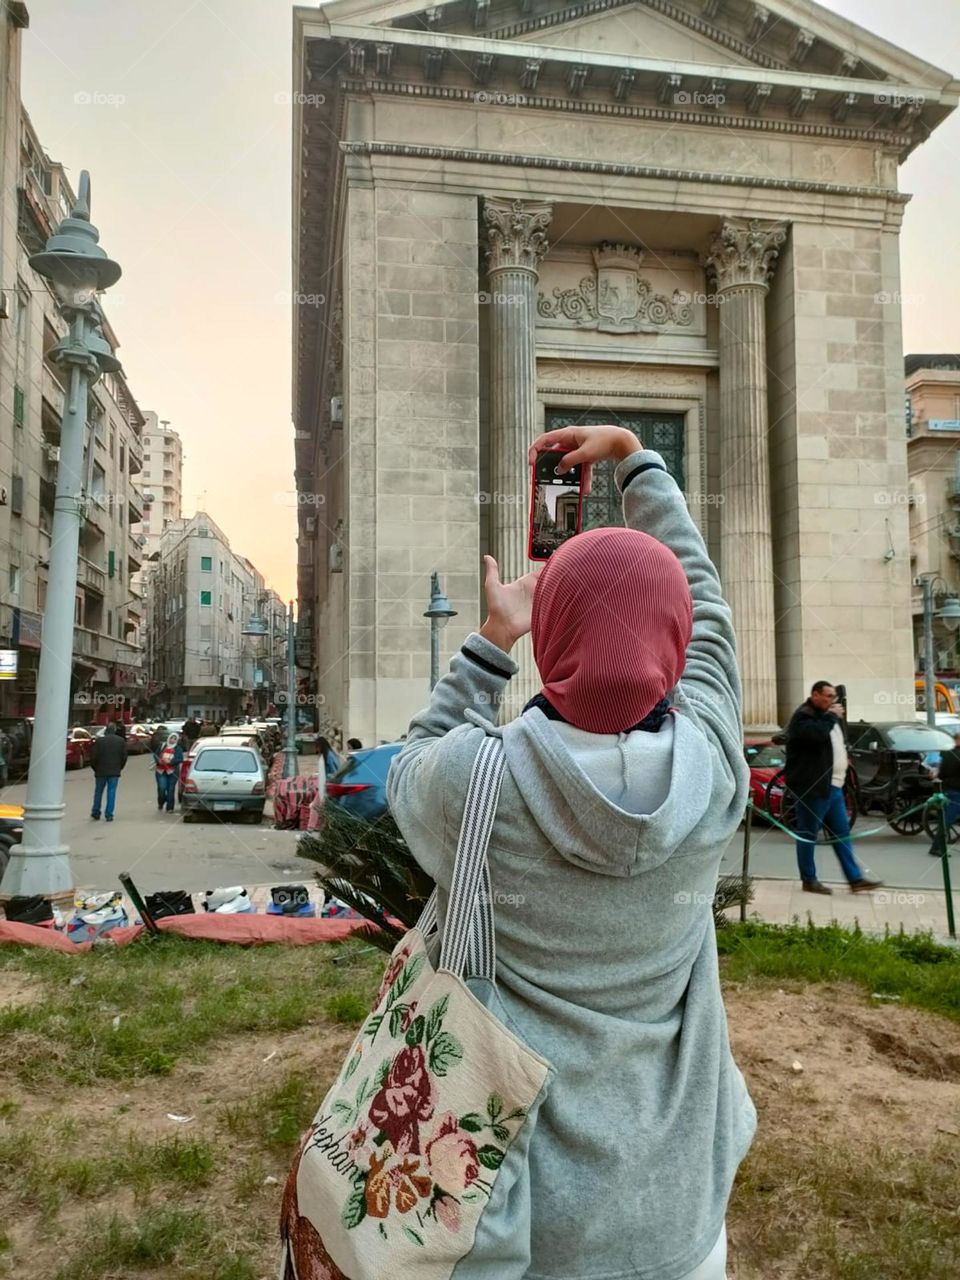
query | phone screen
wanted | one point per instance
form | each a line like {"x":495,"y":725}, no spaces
{"x":555,"y":508}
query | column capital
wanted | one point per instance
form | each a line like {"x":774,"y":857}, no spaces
{"x":744,"y":252}
{"x":516,"y":233}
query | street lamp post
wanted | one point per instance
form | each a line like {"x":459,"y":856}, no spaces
{"x":291,"y":765}
{"x":78,"y":269}
{"x":439,"y":613}
{"x":949,"y":615}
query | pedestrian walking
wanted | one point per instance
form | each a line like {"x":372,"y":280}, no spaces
{"x":190,"y":732}
{"x":6,"y":758}
{"x":948,"y":771}
{"x":624,"y":779}
{"x":329,"y":758}
{"x":354,"y":744}
{"x":816,"y":769}
{"x":109,"y":760}
{"x":167,"y":761}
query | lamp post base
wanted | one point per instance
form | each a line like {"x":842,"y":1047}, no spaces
{"x":42,"y":872}
{"x":291,"y":762}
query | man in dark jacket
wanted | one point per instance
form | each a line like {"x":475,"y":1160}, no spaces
{"x":948,"y":771}
{"x":190,"y":732}
{"x":109,"y":758}
{"x":815,"y":772}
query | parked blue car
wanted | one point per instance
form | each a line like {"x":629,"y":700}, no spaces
{"x":360,"y":784}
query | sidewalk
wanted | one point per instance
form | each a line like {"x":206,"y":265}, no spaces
{"x":781,"y":901}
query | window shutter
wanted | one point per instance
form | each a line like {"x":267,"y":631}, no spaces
{"x":111,"y":563}
{"x":16,"y":495}
{"x":18,"y":406}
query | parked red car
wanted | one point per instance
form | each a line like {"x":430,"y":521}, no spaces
{"x":767,"y":760}
{"x":79,"y":748}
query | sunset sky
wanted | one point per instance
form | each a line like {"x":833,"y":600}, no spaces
{"x":186,"y":133}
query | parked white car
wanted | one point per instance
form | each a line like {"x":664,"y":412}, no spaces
{"x":224,"y":778}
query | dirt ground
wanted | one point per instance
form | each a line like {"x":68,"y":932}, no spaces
{"x":824,"y":1065}
{"x":871,"y":1076}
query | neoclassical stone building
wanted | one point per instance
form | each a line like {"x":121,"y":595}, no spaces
{"x":681,"y":215}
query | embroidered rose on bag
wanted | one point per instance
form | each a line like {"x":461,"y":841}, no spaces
{"x":452,"y":1156}
{"x":408,"y":1097}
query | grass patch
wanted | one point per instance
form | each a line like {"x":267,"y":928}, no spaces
{"x":859,"y":1214}
{"x":914,"y":967}
{"x":159,"y":1237}
{"x":275,"y":1118}
{"x":175,"y":998}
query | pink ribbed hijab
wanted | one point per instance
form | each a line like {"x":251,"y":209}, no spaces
{"x":612,"y":618}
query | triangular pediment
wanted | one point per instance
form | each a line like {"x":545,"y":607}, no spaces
{"x":787,"y":35}
{"x":635,"y":31}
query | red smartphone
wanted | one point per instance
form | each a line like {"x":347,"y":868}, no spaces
{"x":556,"y":505}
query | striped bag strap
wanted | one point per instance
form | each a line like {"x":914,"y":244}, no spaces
{"x":428,"y":921}
{"x":468,"y":940}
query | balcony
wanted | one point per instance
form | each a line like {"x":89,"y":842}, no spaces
{"x":135,"y":449}
{"x":86,"y":643}
{"x":135,"y":504}
{"x":96,"y":515}
{"x":134,"y":552}
{"x":92,"y":576}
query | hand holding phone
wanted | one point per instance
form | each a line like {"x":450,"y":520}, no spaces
{"x":556,"y":504}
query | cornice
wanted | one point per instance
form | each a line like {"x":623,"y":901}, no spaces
{"x":515,"y":160}
{"x":627,"y":111}
{"x":589,"y":7}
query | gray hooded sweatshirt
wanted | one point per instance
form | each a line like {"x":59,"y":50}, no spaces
{"x":603,"y":859}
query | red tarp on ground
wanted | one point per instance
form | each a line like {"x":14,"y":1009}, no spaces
{"x":247,"y":930}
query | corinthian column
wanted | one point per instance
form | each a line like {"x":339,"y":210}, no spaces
{"x":742,"y":259}
{"x":516,"y":242}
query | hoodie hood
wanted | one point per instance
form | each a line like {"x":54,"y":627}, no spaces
{"x":617,"y":804}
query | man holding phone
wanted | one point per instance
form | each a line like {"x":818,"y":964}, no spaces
{"x":816,"y":769}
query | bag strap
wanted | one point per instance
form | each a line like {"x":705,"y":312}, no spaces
{"x":428,"y":920}
{"x":468,"y":938}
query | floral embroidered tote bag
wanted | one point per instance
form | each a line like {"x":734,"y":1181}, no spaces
{"x":435,"y":1100}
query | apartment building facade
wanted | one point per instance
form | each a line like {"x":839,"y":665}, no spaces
{"x":162,"y":479}
{"x":107,"y":671}
{"x":933,"y":497}
{"x":202,"y":595}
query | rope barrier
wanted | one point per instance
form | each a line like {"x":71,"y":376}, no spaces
{"x":936,"y":800}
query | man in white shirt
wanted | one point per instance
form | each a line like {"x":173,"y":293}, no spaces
{"x":816,"y":769}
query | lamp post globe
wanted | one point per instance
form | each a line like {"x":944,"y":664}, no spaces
{"x":77,"y":268}
{"x":440,"y":611}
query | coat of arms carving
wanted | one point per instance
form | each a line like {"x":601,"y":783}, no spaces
{"x":616,"y":299}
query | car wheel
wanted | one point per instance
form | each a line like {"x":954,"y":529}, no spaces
{"x":189,"y":815}
{"x":255,"y":818}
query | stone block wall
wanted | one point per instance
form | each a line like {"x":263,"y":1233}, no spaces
{"x":410,"y":314}
{"x":838,"y":456}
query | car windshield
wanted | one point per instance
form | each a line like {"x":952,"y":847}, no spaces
{"x":908,"y":737}
{"x":226,"y":760}
{"x":768,"y":757}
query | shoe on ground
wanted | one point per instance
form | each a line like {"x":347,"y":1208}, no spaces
{"x":865,"y":886}
{"x":109,"y":817}
{"x":95,"y":817}
{"x":814,"y":886}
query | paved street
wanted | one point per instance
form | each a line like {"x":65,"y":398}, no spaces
{"x":158,"y":849}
